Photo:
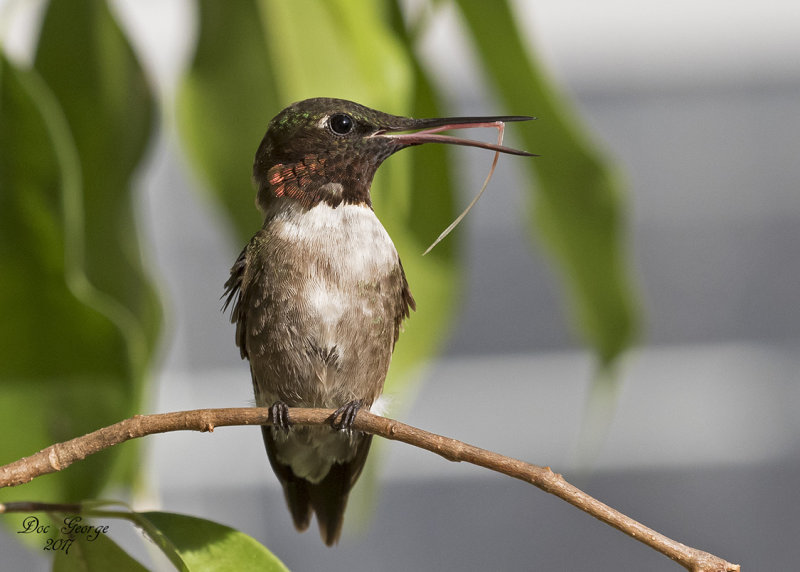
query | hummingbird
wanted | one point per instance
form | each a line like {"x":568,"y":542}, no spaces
{"x":319,"y":294}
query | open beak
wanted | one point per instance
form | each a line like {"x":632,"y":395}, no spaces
{"x":427,"y":131}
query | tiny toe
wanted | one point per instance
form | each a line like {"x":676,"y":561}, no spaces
{"x":280,"y":415}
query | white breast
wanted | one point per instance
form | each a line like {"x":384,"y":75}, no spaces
{"x":349,"y":248}
{"x":351,"y":236}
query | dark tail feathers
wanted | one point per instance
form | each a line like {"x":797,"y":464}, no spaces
{"x":328,"y":498}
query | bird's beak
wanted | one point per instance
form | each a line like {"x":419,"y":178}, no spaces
{"x":427,"y":131}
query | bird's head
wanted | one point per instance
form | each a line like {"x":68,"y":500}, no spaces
{"x":325,"y":149}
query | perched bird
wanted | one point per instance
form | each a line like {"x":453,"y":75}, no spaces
{"x":319,"y":293}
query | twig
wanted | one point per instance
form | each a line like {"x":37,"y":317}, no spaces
{"x":61,"y":455}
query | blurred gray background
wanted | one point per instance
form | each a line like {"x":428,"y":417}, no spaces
{"x":700,"y":104}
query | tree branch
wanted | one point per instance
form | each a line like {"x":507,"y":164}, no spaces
{"x":61,"y":455}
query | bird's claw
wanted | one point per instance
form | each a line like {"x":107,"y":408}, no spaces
{"x":279,"y":412}
{"x":343,"y":418}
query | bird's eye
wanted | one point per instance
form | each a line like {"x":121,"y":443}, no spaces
{"x":341,"y":124}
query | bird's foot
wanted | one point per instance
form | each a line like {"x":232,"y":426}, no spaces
{"x":342,"y":419}
{"x":279,"y":412}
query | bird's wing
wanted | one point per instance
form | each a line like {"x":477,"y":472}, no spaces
{"x":407,"y":303}
{"x":236,"y":293}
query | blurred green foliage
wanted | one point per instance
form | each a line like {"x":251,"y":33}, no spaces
{"x":576,"y":193}
{"x":81,"y":319}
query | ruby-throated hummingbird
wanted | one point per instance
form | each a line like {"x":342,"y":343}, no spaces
{"x":319,"y":293}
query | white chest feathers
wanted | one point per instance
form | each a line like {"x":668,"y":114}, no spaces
{"x":341,"y":253}
{"x":349,"y":239}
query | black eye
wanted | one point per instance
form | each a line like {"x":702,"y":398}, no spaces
{"x":341,"y":124}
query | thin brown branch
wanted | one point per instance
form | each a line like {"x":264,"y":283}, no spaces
{"x":61,"y":455}
{"x":28,"y":506}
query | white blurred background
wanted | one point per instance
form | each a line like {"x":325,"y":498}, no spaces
{"x":700,"y":104}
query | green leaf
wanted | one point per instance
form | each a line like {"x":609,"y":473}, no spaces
{"x":579,"y":209}
{"x":336,"y":48}
{"x":435,"y":278}
{"x":197,"y":544}
{"x":80,"y":317}
{"x":63,"y":362}
{"x":98,"y":555}
{"x":225,"y":102}
{"x":91,"y":69}
{"x":89,"y":65}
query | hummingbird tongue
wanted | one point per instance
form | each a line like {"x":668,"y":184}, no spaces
{"x":498,"y":148}
{"x":430,"y":129}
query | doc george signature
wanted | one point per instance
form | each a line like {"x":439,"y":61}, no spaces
{"x":72,"y":529}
